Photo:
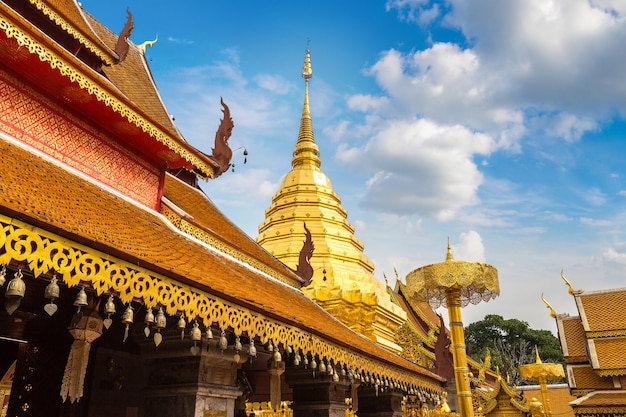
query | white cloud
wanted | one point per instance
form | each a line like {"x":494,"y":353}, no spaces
{"x":274,"y":83}
{"x":551,"y":65}
{"x":240,"y":189}
{"x":613,"y":255}
{"x":421,"y":167}
{"x":558,"y":217}
{"x":595,"y":222}
{"x":470,"y":247}
{"x":593,"y":196}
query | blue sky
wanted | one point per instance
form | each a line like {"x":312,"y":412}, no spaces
{"x":497,"y":124}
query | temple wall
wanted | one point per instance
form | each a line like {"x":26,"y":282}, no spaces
{"x":46,"y":125}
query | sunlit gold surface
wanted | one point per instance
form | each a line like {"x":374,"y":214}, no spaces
{"x":343,"y":281}
{"x":477,"y":282}
{"x":542,"y":373}
{"x":454,"y":284}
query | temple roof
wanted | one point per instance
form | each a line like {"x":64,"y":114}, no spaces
{"x":573,"y":340}
{"x":122,"y":97}
{"x":203,"y":213}
{"x":602,"y":311}
{"x":78,"y":209}
{"x":69,"y":16}
{"x":601,"y":403}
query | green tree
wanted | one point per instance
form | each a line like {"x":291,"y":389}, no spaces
{"x":511,"y":343}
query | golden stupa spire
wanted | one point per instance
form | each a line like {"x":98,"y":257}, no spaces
{"x":306,"y":151}
{"x":343,"y":280}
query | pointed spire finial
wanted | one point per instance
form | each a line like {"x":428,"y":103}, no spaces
{"x":537,"y":358}
{"x":449,"y":256}
{"x":307,"y":71}
{"x":306,"y":152}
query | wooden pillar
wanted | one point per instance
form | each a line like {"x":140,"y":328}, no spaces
{"x":185,"y":385}
{"x":379,"y":402}
{"x":316,"y":395}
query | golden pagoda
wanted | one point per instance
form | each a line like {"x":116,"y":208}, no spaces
{"x":342,"y":282}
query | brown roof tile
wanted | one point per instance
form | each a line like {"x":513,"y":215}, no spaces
{"x":611,"y":353}
{"x":82,"y":211}
{"x":604,"y":311}
{"x":603,"y":399}
{"x":586,"y":378}
{"x":69,"y":16}
{"x":133,"y":79}
{"x":574,"y":339}
{"x":210,"y":219}
{"x":559,"y":396}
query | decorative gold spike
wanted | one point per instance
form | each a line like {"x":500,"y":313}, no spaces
{"x":143,"y":46}
{"x":552,"y":312}
{"x":449,"y":256}
{"x":570,"y":289}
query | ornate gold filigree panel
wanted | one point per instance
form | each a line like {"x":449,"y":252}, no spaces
{"x":69,"y":28}
{"x":78,"y":264}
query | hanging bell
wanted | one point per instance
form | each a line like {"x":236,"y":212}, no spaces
{"x":277,"y":356}
{"x":159,"y":323}
{"x":16,"y":288}
{"x":148,"y":319}
{"x":223,"y":342}
{"x":181,"y":325}
{"x":196,"y":336}
{"x":81,"y":298}
{"x":127,"y":319}
{"x":322,"y":366}
{"x":297,"y":359}
{"x":3,"y":275}
{"x":270,"y":346}
{"x":51,"y":293}
{"x":238,"y":347}
{"x":109,"y":308}
{"x":195,"y":333}
{"x":252,"y":349}
{"x":335,"y":377}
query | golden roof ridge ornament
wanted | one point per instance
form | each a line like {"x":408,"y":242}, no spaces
{"x":570,"y":288}
{"x":143,"y":46}
{"x":306,"y":150}
{"x":548,"y":306}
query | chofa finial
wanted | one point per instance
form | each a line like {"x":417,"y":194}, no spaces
{"x":552,"y":312}
{"x":147,"y":44}
{"x":570,"y":289}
